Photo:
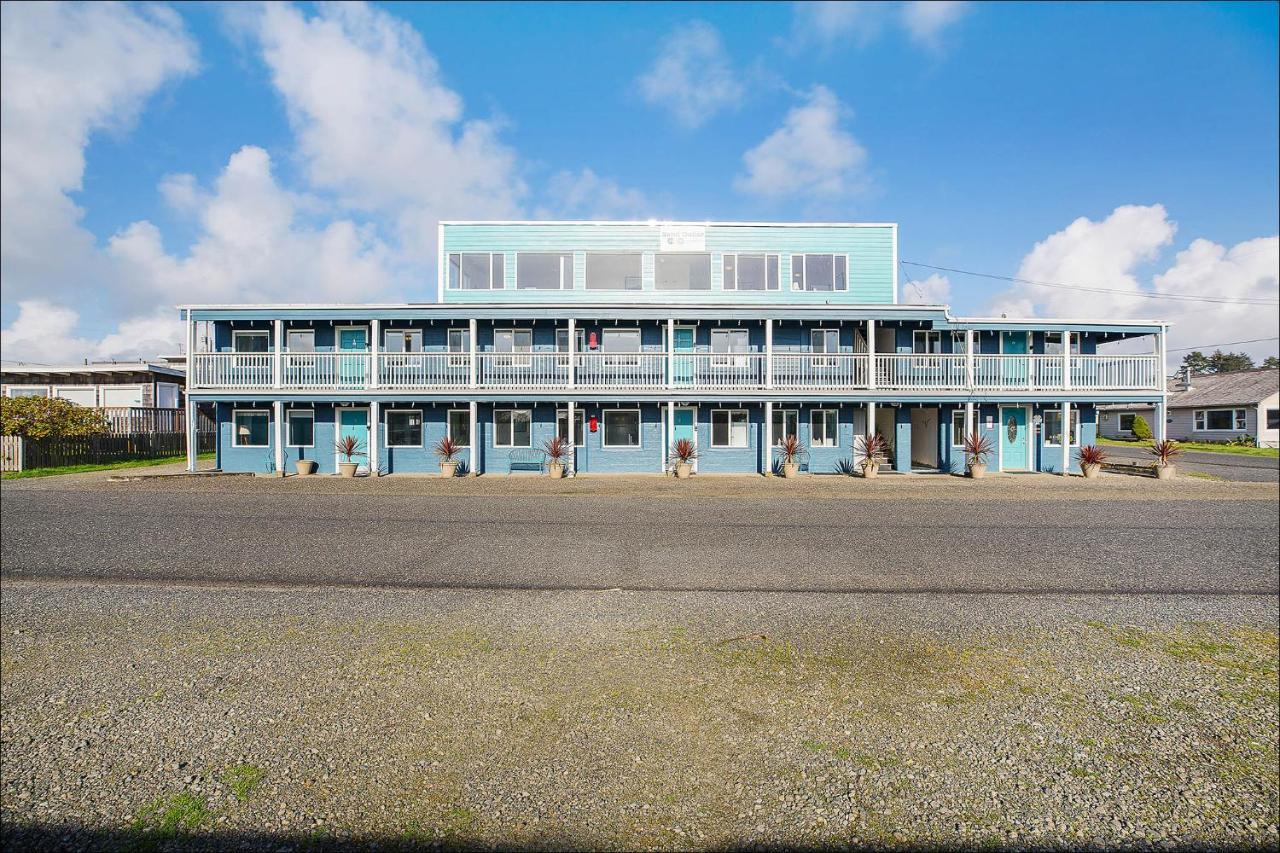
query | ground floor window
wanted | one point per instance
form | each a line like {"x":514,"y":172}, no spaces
{"x":825,"y":427}
{"x":957,"y":428}
{"x":1221,"y":420}
{"x":579,"y":426}
{"x":785,"y":422}
{"x":301,"y":427}
{"x":729,"y":428}
{"x":458,"y":427}
{"x":1273,"y":418}
{"x":252,"y":428}
{"x":512,"y":428}
{"x":622,"y":428}
{"x":1053,"y":427}
{"x":404,"y":428}
{"x":1126,"y":421}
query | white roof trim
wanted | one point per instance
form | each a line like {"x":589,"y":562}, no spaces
{"x":656,"y":222}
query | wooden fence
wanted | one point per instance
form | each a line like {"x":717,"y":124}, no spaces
{"x":20,"y":454}
{"x":124,"y":420}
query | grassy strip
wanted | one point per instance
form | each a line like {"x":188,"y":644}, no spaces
{"x":1236,"y":449}
{"x":107,"y":466}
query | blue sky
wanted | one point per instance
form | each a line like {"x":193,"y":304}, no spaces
{"x":272,"y":153}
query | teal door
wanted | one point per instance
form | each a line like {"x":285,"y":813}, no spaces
{"x":1016,"y":370}
{"x":682,"y":426}
{"x":682,"y":365}
{"x":355,"y":423}
{"x":1014,"y":444}
{"x":351,"y":368}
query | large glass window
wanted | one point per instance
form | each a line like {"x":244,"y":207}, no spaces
{"x":1053,"y":427}
{"x":621,"y":428}
{"x":1273,"y":418}
{"x":729,"y":428}
{"x":459,"y":343}
{"x":544,"y":270}
{"x":579,"y":426}
{"x":957,"y":428}
{"x":1126,"y":421}
{"x":28,"y":391}
{"x":622,"y":346}
{"x":508,"y":341}
{"x":724,"y":341}
{"x":476,"y":271}
{"x":613,"y":271}
{"x":1053,"y":343}
{"x":512,"y":428}
{"x":819,"y":272}
{"x":404,"y":428}
{"x":926,"y":342}
{"x":750,"y":272}
{"x":301,"y":425}
{"x":250,"y":341}
{"x":301,"y":340}
{"x":459,"y":427}
{"x":824,"y":427}
{"x":403,"y":340}
{"x":250,"y":428}
{"x":785,"y":422}
{"x":1221,"y":420}
{"x":682,"y":271}
{"x":824,"y":341}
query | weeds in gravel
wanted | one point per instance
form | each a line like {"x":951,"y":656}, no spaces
{"x":242,"y":779}
{"x":173,"y":815}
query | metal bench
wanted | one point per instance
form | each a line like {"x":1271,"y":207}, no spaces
{"x":524,"y":460}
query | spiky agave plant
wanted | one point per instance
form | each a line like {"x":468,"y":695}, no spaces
{"x":1165,"y":452}
{"x":446,"y":449}
{"x":977,"y":448}
{"x":683,"y":450}
{"x":791,"y":449}
{"x":349,"y":447}
{"x":555,"y":448}
{"x":873,"y":448}
{"x":1092,"y":454}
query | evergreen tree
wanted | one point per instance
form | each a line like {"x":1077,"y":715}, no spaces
{"x":1197,"y":361}
{"x":1229,"y":362}
{"x":1271,"y":363}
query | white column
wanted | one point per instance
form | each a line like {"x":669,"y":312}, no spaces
{"x":1160,"y":425}
{"x":1066,"y":438}
{"x":573,"y":420}
{"x":1066,"y":359}
{"x":573,"y":358}
{"x":768,"y":438}
{"x":192,"y":448}
{"x":968,"y":357}
{"x":871,"y":356}
{"x":278,"y":414}
{"x":471,"y":417}
{"x":471,"y":357}
{"x":278,"y":357}
{"x":968,"y":419}
{"x":871,"y":418}
{"x":375,"y":334}
{"x":671,"y":433}
{"x":768,"y":353}
{"x":374,"y":423}
{"x":671,"y":368}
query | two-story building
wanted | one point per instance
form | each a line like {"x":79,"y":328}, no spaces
{"x":622,"y":337}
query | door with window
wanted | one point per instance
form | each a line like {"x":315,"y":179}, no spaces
{"x":684,"y":424}
{"x":354,"y":423}
{"x":1016,"y":369}
{"x":353,"y":344}
{"x":1015,"y":445}
{"x":682,"y":345}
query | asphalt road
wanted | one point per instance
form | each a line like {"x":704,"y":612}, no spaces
{"x":530,"y":541}
{"x":1228,"y":466}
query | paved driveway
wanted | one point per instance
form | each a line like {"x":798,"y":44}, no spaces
{"x":1228,"y":466}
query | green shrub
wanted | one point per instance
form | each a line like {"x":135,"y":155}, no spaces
{"x":45,"y":417}
{"x":1141,"y":430}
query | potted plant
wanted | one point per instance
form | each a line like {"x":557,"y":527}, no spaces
{"x":873,"y":448}
{"x":1091,"y":458}
{"x":791,"y":450}
{"x":683,"y":452}
{"x":447,"y":450}
{"x":349,"y":447}
{"x":1165,"y":452}
{"x":556,"y":449}
{"x":305,"y":467}
{"x":977,"y":447}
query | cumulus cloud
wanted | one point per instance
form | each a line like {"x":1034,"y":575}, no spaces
{"x":1111,"y":254}
{"x":809,"y":156}
{"x":692,"y":77}
{"x":838,"y":23}
{"x":934,"y":290}
{"x":586,"y":195}
{"x":925,"y":20}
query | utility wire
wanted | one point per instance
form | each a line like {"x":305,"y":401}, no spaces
{"x":1186,"y":297}
{"x":1228,"y":344}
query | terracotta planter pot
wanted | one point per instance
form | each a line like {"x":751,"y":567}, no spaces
{"x":449,"y":469}
{"x":348,"y":469}
{"x":978,"y":470}
{"x":1166,"y":472}
{"x":305,"y":467}
{"x":555,"y":470}
{"x":790,"y":469}
{"x":683,"y":470}
{"x":1090,"y":471}
{"x":870,"y":472}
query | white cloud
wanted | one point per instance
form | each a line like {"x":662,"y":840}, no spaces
{"x":1109,"y":254}
{"x":586,"y":195}
{"x":809,"y":156}
{"x":692,"y":77}
{"x":42,"y":332}
{"x":934,"y":290}
{"x":839,"y":23}
{"x":926,"y":19}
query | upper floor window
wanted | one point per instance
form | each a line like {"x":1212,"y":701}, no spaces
{"x":544,"y":270}
{"x":613,"y":271}
{"x":682,"y":271}
{"x":750,"y":272}
{"x":476,"y":271}
{"x":625,"y":341}
{"x":301,"y":340}
{"x":730,"y":341}
{"x":403,"y":340}
{"x":926,"y":342}
{"x":819,"y":272}
{"x":250,"y":341}
{"x":824,"y":341}
{"x":1053,"y":343}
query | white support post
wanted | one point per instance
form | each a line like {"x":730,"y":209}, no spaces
{"x":374,"y":456}
{"x":573,"y":356}
{"x":968,"y":419}
{"x":671,"y":433}
{"x":375,"y":334}
{"x":768,"y":353}
{"x":1161,"y":432}
{"x":573,"y":423}
{"x":192,"y":434}
{"x":1066,"y":360}
{"x":471,"y":356}
{"x":278,"y":354}
{"x":1067,"y":435}
{"x":768,"y":438}
{"x":871,"y":418}
{"x":278,"y":414}
{"x":968,"y":358}
{"x":471,"y":425}
{"x":671,"y":349}
{"x":871,"y":357}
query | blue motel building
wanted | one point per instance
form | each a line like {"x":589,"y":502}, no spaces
{"x":622,"y":337}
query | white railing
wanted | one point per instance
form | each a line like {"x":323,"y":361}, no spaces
{"x":424,"y":370}
{"x":1115,"y":372}
{"x":932,"y":372}
{"x":232,"y":370}
{"x":326,"y":370}
{"x":717,"y":371}
{"x":522,"y":370}
{"x":1017,"y":372}
{"x":642,"y":371}
{"x":819,"y":370}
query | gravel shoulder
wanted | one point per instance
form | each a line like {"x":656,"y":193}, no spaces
{"x":270,"y":717}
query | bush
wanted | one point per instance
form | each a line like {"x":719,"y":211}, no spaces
{"x":43,"y":417}
{"x":1141,"y":430}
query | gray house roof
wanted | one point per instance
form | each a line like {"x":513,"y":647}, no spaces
{"x":1239,"y":388}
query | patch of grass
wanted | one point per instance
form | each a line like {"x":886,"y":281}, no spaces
{"x":242,"y":779}
{"x":1130,"y":638}
{"x":109,"y":466}
{"x":173,"y":815}
{"x":1201,"y":475}
{"x":1207,"y":447}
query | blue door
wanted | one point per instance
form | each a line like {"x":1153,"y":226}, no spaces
{"x":682,"y":365}
{"x":355,"y":423}
{"x":351,"y":368}
{"x":683,"y":421}
{"x":1014,"y":444}
{"x":1016,"y":370}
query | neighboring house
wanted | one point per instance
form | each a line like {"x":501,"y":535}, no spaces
{"x":622,"y":337}
{"x":98,"y":384}
{"x":1210,"y":407}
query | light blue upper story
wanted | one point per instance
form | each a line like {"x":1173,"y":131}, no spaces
{"x":669,"y":262}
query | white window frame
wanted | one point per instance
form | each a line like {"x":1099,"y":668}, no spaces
{"x":1074,"y":338}
{"x":566,"y":270}
{"x":828,"y":441}
{"x":515,"y":357}
{"x":604,"y":427}
{"x":579,"y":430}
{"x":562,"y":347}
{"x":528,"y":413}
{"x":728,"y":282}
{"x":406,"y":332}
{"x":448,"y":425}
{"x":803,"y":284}
{"x":958,"y":415}
{"x":931,"y":337}
{"x":1120,"y":416}
{"x":311,"y":333}
{"x":386,"y":427}
{"x":731,"y":415}
{"x":1074,"y":438}
{"x":622,"y":357}
{"x":288,"y":426}
{"x":1200,"y":419}
{"x":237,"y":334}
{"x":825,"y":359}
{"x":586,"y":271}
{"x":235,"y":430}
{"x":449,"y":285}
{"x":710,"y":272}
{"x":729,"y":357}
{"x":9,"y":389}
{"x":779,"y":435}
{"x":458,"y":357}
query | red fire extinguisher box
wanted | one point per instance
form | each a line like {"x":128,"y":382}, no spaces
{"x":595,"y":424}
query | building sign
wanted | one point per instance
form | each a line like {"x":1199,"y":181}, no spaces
{"x":682,"y":238}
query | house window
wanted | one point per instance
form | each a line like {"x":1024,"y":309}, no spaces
{"x":750,"y":272}
{"x":562,"y":344}
{"x":459,"y":347}
{"x":785,"y":422}
{"x":729,"y":428}
{"x":818,"y":272}
{"x":404,"y":428}
{"x":27,"y":391}
{"x":250,"y":341}
{"x":544,"y":270}
{"x":512,"y":428}
{"x":958,"y":344}
{"x":725,"y":341}
{"x":403,"y":340}
{"x":622,"y":428}
{"x":1221,"y":420}
{"x":824,"y":341}
{"x":1053,"y":427}
{"x":476,"y":271}
{"x":301,"y":340}
{"x":1053,"y":343}
{"x":614,"y":271}
{"x":824,"y":426}
{"x":510,"y":341}
{"x":458,"y":427}
{"x":1273,"y":418}
{"x":579,"y":426}
{"x":1126,"y":421}
{"x":957,"y":428}
{"x":623,"y":346}
{"x":924,"y":342}
{"x":250,"y":428}
{"x":682,"y":271}
{"x":301,"y":426}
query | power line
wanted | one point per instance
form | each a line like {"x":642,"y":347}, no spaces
{"x":1228,"y":344}
{"x":1186,"y":297}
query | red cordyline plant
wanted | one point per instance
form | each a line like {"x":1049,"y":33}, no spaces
{"x":874,"y":449}
{"x":1092,"y":454}
{"x":1164,"y":452}
{"x":555,"y":448}
{"x":977,"y":448}
{"x":791,"y":449}
{"x":684,"y":450}
{"x":446,"y":449}
{"x":350,"y":447}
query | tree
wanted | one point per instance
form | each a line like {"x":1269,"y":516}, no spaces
{"x":1197,"y":361}
{"x":43,"y":417}
{"x":1140,"y":428}
{"x":1271,"y":362}
{"x":1229,"y":362}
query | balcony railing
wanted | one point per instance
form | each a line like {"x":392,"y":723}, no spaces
{"x":658,"y":371}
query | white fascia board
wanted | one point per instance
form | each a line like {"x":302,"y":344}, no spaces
{"x":667,"y":222}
